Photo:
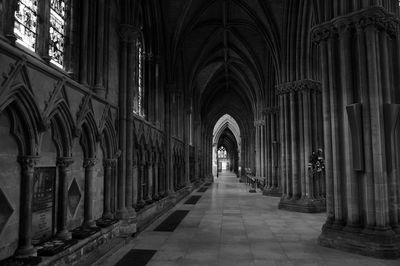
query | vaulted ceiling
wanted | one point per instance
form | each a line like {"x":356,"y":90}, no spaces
{"x":224,"y":49}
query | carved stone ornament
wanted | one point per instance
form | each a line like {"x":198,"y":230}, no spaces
{"x":376,"y":17}
{"x":89,"y":162}
{"x":28,"y":162}
{"x":64,"y":162}
{"x":300,"y":85}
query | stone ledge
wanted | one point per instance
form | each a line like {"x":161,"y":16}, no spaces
{"x":73,"y":254}
{"x":305,"y":205}
{"x":378,"y":244}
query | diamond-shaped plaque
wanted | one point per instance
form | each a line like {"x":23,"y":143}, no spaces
{"x":6,"y":210}
{"x":74,"y":197}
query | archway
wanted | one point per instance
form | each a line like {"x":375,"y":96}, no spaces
{"x":226,"y":146}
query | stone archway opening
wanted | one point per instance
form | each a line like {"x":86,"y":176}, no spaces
{"x":226,"y":146}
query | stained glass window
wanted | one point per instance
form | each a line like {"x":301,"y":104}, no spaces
{"x":222,"y":154}
{"x":57,"y":31}
{"x":139,"y":106}
{"x":25,"y":26}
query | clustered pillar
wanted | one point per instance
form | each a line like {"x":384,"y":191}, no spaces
{"x":271,"y":146}
{"x":301,"y":137}
{"x":361,"y":165}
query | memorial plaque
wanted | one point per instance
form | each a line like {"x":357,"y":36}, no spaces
{"x":43,"y":204}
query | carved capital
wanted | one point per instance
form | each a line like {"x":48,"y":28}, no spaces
{"x":64,"y":162}
{"x":28,"y":162}
{"x":375,"y":17}
{"x":296,"y":86}
{"x":89,"y":162}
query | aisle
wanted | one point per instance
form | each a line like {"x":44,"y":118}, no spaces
{"x":229,"y":226}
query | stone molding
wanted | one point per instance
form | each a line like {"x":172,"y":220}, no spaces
{"x":89,"y":162}
{"x":28,"y":162}
{"x":376,"y":17}
{"x":64,"y":161}
{"x":299,"y":85}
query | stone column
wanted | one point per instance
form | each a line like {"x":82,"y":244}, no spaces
{"x":273,"y":185}
{"x":300,"y":194}
{"x":131,"y":36}
{"x":100,"y":52}
{"x":359,"y":63}
{"x":63,"y":164}
{"x":108,"y":168}
{"x":9,"y":19}
{"x":135,"y":172}
{"x":149,"y":196}
{"x":43,"y":30}
{"x":90,"y":191}
{"x":141,"y":201}
{"x":83,"y":64}
{"x":25,"y":247}
{"x":156,"y":166}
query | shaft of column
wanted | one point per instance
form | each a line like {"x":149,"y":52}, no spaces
{"x":294,"y":147}
{"x":99,"y":84}
{"x":108,"y":167}
{"x":25,"y":247}
{"x":89,"y":164}
{"x":150,"y":178}
{"x":83,"y":64}
{"x":64,"y":172}
{"x":122,"y":212}
{"x":130,"y":88}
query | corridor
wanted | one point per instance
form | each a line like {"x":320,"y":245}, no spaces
{"x":230,"y":226}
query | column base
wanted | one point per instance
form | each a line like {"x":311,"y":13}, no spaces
{"x":375,"y":243}
{"x":305,"y":205}
{"x":25,"y":252}
{"x":122,"y":213}
{"x":272,"y":192}
{"x":128,"y":227}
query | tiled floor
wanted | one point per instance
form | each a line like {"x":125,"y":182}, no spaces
{"x":230,"y":226}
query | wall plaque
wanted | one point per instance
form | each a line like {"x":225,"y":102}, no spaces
{"x":43,"y":204}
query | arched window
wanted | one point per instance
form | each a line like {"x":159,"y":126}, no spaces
{"x":222,"y":154}
{"x":26,"y":26}
{"x":57,"y":31}
{"x":139,"y":100}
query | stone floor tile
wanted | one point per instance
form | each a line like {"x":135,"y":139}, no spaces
{"x":230,"y":226}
